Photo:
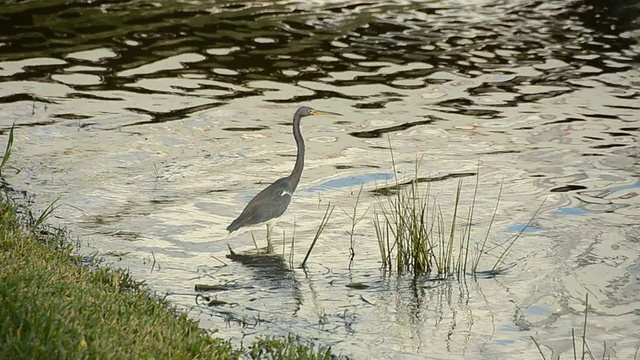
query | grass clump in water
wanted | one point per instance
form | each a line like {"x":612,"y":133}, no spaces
{"x":413,"y":238}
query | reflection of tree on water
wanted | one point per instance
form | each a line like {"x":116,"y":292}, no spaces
{"x":608,"y":17}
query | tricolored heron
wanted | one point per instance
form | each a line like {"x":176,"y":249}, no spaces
{"x":273,"y":201}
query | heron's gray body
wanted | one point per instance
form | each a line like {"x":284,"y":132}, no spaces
{"x":269,"y":204}
{"x":273,"y":201}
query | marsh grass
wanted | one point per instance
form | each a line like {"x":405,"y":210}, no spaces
{"x":355,"y":220}
{"x":7,"y":152}
{"x":323,"y":223}
{"x":415,"y":237}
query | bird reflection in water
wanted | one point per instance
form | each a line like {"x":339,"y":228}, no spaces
{"x":272,"y":273}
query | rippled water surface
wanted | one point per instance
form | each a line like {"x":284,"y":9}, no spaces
{"x":154,"y":123}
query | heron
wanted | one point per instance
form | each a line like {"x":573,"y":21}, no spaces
{"x":273,"y":201}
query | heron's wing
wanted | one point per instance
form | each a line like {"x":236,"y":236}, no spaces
{"x":270,"y":203}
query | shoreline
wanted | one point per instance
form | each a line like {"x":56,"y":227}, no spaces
{"x":65,"y":305}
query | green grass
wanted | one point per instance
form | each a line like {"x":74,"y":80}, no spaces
{"x":56,"y":305}
{"x":413,"y":236}
{"x":323,"y":224}
{"x":7,"y":152}
{"x":355,"y":220}
{"x":291,"y":348}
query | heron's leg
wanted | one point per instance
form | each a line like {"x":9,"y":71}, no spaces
{"x":269,"y":231}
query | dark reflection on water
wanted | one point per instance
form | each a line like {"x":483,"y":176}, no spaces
{"x":268,"y":273}
{"x":157,"y":117}
{"x":266,"y":266}
{"x":379,"y":132}
{"x":258,"y":41}
{"x":392,"y":189}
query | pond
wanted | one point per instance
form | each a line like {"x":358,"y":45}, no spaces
{"x":153,"y":124}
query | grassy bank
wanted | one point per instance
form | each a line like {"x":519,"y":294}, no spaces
{"x":55,"y":306}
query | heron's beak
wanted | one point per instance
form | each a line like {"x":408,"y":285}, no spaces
{"x":318,"y":112}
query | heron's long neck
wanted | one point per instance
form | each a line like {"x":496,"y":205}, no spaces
{"x":297,"y":169}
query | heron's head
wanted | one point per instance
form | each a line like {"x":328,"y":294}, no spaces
{"x":307,"y":111}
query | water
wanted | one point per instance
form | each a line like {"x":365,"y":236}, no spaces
{"x":154,"y":123}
